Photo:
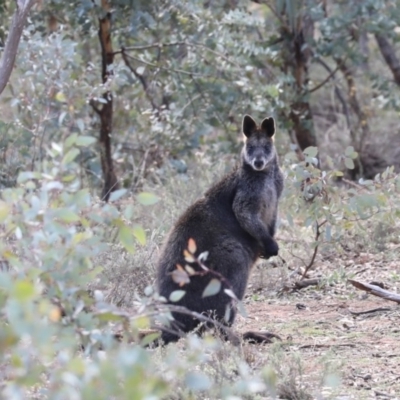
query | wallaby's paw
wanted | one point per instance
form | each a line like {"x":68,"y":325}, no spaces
{"x":271,"y":249}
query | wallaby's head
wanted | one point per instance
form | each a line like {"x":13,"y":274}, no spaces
{"x":258,"y":150}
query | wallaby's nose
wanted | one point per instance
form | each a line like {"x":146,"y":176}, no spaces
{"x":258,"y":164}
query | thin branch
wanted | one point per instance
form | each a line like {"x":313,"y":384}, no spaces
{"x":355,"y":105}
{"x":148,"y":46}
{"x":317,"y":235}
{"x":324,"y":81}
{"x":141,"y":79}
{"x":13,"y":38}
{"x":179,"y":43}
{"x":339,"y":94}
{"x":355,"y":185}
{"x":273,"y":10}
{"x":203,"y":318}
{"x":166,"y":69}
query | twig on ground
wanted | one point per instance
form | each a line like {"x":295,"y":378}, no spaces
{"x":370,"y":311}
{"x":305,"y":283}
{"x":379,"y":393}
{"x":324,"y":345}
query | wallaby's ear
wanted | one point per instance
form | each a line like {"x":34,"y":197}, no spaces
{"x":249,"y":125}
{"x":268,"y":126}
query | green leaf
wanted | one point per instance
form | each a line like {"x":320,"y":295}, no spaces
{"x":349,"y":151}
{"x":68,"y":178}
{"x":23,"y":290}
{"x":272,"y":90}
{"x":60,"y":96}
{"x":152,"y":337}
{"x":85,"y":141}
{"x":80,"y":124}
{"x":349,"y":163}
{"x":176,"y":295}
{"x":109,"y":316}
{"x":70,"y":141}
{"x":139,"y":234}
{"x":141,"y":322}
{"x":116,"y":195}
{"x":212,"y":288}
{"x":70,"y":156}
{"x":311,"y":151}
{"x":27,"y":175}
{"x":147,"y":199}
{"x":65,"y":214}
{"x":128,"y":212}
{"x":126,"y":238}
{"x":328,"y":233}
{"x":197,"y":381}
{"x":4,"y":211}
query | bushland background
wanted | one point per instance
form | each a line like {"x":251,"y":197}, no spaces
{"x":117,"y":115}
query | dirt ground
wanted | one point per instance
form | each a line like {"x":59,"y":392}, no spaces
{"x":335,"y":324}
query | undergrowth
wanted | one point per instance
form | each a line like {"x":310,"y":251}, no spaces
{"x":77,"y":271}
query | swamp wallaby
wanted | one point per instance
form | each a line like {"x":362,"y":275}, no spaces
{"x":235,"y":223}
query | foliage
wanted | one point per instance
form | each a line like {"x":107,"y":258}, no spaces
{"x":315,"y":200}
{"x":191,"y":90}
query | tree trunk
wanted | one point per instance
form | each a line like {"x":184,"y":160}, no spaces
{"x":362,"y":117}
{"x":389,"y":55}
{"x":13,"y":38}
{"x":106,"y":111}
{"x":296,"y":63}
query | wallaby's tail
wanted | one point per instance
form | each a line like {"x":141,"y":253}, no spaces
{"x":260,"y":337}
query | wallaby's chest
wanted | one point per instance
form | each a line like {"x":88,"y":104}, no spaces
{"x":268,"y":202}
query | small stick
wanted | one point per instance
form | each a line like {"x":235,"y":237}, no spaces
{"x":305,"y":283}
{"x":310,"y":346}
{"x":370,"y":311}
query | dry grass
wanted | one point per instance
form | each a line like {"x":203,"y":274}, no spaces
{"x":327,"y":352}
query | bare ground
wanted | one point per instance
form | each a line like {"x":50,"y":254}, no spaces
{"x":321,"y":325}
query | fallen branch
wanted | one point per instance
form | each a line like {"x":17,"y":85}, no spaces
{"x":305,"y":283}
{"x":326,"y":345}
{"x":376,"y":290}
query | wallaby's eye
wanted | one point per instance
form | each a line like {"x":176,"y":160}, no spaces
{"x":250,"y":149}
{"x":267,"y":147}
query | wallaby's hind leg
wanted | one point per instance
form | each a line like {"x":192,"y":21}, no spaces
{"x":181,"y":325}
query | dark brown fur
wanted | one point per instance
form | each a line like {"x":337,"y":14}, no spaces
{"x":235,"y":222}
